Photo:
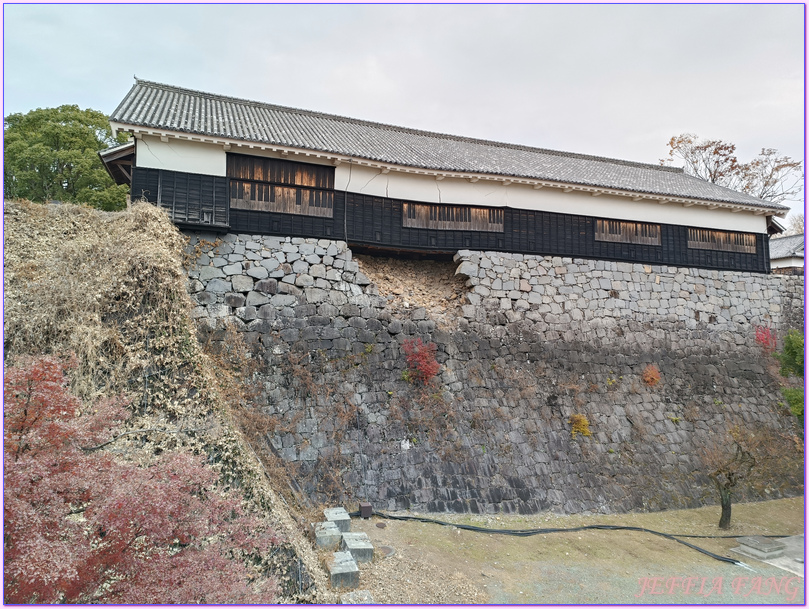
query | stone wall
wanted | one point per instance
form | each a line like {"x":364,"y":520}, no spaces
{"x":536,"y":341}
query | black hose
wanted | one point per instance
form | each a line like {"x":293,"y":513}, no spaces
{"x":598,"y":527}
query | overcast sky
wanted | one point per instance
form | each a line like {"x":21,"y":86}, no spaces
{"x":615,"y":81}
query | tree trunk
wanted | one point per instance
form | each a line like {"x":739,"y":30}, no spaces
{"x":724,"y":520}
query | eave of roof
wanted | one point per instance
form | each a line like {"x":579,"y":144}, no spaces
{"x":171,"y":112}
{"x":114,"y":157}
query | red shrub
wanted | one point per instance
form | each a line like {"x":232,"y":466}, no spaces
{"x":651,"y":375}
{"x":81,"y":526}
{"x":421,"y":359}
{"x":766,"y":338}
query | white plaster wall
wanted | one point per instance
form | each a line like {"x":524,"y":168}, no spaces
{"x":365,"y":180}
{"x":181,"y":155}
{"x":786,"y":262}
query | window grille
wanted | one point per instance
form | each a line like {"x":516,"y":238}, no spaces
{"x":452,"y":217}
{"x":706,"y":239}
{"x":627,"y":232}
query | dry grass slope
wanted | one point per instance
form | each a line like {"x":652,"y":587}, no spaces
{"x":111,"y":289}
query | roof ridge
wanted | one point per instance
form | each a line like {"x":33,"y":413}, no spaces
{"x":435,"y":134}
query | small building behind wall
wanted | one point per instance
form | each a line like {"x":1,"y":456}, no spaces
{"x":220,"y":163}
{"x":786,"y":254}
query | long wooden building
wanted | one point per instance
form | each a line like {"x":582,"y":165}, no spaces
{"x":225,"y":164}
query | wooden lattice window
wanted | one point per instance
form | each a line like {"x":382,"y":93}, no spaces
{"x":281,"y":199}
{"x":286,"y":187}
{"x":452,"y":217}
{"x":706,"y":239}
{"x":627,"y":232}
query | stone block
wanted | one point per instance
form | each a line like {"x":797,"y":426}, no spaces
{"x":234,"y":300}
{"x":258,"y":272}
{"x":300,"y":266}
{"x":359,"y":545}
{"x":232,"y":269}
{"x":304,"y":281}
{"x":268,"y":286}
{"x":241,"y":283}
{"x":467,"y":268}
{"x":340,"y":517}
{"x":357,"y":597}
{"x":218,"y":286}
{"x":343,"y":570}
{"x":246,"y":313}
{"x":327,"y":535}
{"x":205,"y":298}
{"x":266,"y":311}
{"x":761,"y":547}
{"x":290,"y":335}
{"x":207,"y":273}
{"x":286,"y":287}
{"x":256,"y":299}
{"x":283,"y":300}
{"x":270,"y":264}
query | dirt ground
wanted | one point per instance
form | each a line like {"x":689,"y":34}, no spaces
{"x":433,"y":564}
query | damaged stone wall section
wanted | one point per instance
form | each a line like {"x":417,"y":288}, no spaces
{"x":566,"y":291}
{"x":537,"y":340}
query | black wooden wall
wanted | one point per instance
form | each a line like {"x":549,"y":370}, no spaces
{"x":191,"y":199}
{"x":377,"y":221}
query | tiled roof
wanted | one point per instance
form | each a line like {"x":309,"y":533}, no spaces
{"x":158,"y":106}
{"x":787,"y":247}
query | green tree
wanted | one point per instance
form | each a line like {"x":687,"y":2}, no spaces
{"x":51,"y":154}
{"x":791,"y":357}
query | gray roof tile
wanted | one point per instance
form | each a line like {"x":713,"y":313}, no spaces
{"x":158,"y":106}
{"x":786,"y":247}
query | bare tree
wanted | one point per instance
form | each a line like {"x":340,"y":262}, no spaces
{"x":729,"y":463}
{"x":757,"y":458}
{"x":795,"y":225}
{"x":772,"y":177}
{"x":711,"y":160}
{"x":768,"y":176}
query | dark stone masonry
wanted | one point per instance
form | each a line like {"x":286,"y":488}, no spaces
{"x":536,"y":340}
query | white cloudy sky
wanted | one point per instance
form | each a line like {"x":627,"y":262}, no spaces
{"x":614,"y":81}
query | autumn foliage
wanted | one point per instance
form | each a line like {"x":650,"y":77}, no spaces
{"x":83,"y":525}
{"x":421,"y":360}
{"x":651,"y":375}
{"x":766,"y":338}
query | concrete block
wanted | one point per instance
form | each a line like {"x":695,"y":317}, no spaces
{"x":327,"y":535}
{"x":761,"y":547}
{"x":358,"y":597}
{"x":343,"y":570}
{"x":339,"y":517}
{"x":359,"y":545}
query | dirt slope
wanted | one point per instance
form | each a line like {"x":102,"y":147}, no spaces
{"x":111,"y":289}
